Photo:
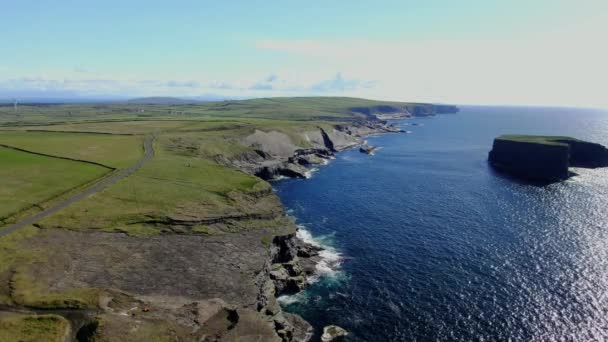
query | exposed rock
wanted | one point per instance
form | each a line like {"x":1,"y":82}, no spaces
{"x":302,"y":330}
{"x":332,"y":332}
{"x":544,"y":158}
{"x":395,"y":112}
{"x":275,"y":154}
{"x":368,"y":149}
{"x":273,"y":142}
{"x":209,"y":308}
{"x":309,"y":159}
{"x":239,"y":325}
{"x":293,"y":170}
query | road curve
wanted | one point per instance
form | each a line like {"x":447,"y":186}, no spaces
{"x":148,"y":154}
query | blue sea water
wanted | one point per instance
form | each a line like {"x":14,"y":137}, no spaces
{"x":426,"y":242}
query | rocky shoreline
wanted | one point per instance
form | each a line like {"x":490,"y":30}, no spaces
{"x":206,"y":268}
{"x":292,"y":260}
{"x":276,"y":156}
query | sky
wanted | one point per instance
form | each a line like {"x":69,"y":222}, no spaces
{"x":514,"y":52}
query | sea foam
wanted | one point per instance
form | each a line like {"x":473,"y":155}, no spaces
{"x":331,"y":259}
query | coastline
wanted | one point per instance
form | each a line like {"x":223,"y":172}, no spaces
{"x":298,"y":260}
{"x":314,"y":260}
{"x":215,"y":268}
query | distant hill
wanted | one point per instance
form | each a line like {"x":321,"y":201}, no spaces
{"x":161,"y":101}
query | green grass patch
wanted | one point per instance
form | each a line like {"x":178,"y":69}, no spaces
{"x":28,"y":179}
{"x":281,"y":108}
{"x":27,"y":292}
{"x":15,"y":251}
{"x":537,"y":139}
{"x":112,"y":150}
{"x":169,"y":185}
{"x":33,"y":328}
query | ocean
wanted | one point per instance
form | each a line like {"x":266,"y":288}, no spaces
{"x":426,"y":242}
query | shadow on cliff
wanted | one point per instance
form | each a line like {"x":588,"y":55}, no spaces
{"x":524,"y":181}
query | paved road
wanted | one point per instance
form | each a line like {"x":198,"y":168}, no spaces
{"x":148,"y":154}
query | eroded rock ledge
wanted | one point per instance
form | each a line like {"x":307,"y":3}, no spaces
{"x":276,"y":154}
{"x":209,"y":288}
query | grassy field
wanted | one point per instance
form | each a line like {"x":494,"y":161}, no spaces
{"x":28,"y":179}
{"x":537,"y":139}
{"x":170,"y":185}
{"x":33,"y":328}
{"x":184,"y":175}
{"x":117,"y":151}
{"x":294,"y":108}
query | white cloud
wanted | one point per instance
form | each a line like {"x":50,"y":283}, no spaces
{"x":565,"y":67}
{"x":270,"y":85}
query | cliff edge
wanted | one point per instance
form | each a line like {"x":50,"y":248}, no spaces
{"x":544,"y":158}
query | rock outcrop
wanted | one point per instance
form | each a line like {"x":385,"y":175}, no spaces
{"x":384,"y":112}
{"x":285,"y":273}
{"x":544,"y":158}
{"x":332,"y":333}
{"x":367,"y":149}
{"x":275,"y":154}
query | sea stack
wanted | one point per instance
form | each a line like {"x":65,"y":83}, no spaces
{"x":544,"y":158}
{"x":368,"y":149}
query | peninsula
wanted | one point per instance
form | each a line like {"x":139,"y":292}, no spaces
{"x":155,"y":219}
{"x":545,"y":158}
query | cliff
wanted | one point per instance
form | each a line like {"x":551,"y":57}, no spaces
{"x":277,"y":154}
{"x":386,"y":112}
{"x":544,"y":158}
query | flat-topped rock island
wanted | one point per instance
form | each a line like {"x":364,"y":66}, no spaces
{"x":544,"y":158}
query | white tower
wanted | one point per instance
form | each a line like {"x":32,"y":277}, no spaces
{"x":15,"y":103}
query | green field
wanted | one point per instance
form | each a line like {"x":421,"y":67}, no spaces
{"x":170,"y":185}
{"x":33,"y":328}
{"x":117,"y":151}
{"x":28,"y":179}
{"x":183,"y":177}
{"x":288,"y":108}
{"x":537,"y":139}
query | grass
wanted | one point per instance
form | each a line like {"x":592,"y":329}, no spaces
{"x":288,"y":108}
{"x":28,"y":292}
{"x":33,"y":328}
{"x":182,"y":181}
{"x":28,"y":179}
{"x":169,"y":185}
{"x":537,"y":139}
{"x":26,"y":289}
{"x":14,"y":251}
{"x":112,"y":150}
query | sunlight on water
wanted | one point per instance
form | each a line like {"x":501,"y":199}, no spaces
{"x":434,"y":245}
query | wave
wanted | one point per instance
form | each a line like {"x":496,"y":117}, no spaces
{"x":330,"y":258}
{"x":308,"y":174}
{"x":293,"y":299}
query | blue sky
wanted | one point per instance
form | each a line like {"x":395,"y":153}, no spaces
{"x":469,"y":51}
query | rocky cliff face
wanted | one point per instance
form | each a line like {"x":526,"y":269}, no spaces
{"x":545,"y":158}
{"x":587,"y":154}
{"x":275,"y":154}
{"x":530,"y":160}
{"x":384,"y":112}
